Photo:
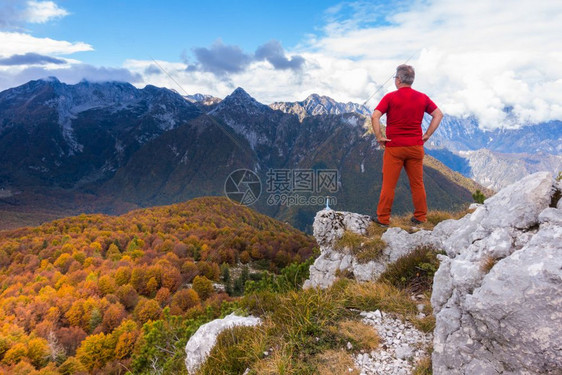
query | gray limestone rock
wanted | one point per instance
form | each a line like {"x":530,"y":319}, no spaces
{"x":497,"y":296}
{"x":330,"y":225}
{"x":518,"y":205}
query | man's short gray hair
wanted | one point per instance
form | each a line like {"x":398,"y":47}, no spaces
{"x":405,"y":74}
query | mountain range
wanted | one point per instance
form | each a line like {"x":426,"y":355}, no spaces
{"x":497,"y":158}
{"x":110,"y":147}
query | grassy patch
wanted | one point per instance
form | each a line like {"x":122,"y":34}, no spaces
{"x":371,"y":296}
{"x":306,"y":331}
{"x":360,"y":335}
{"x":425,"y":324}
{"x":487,"y":264}
{"x":300,"y":326}
{"x":278,"y":362}
{"x":344,"y":274}
{"x":303,"y":319}
{"x":335,"y":362}
{"x":349,"y":240}
{"x":434,"y":217}
{"x":236,"y":349}
{"x":375,"y":230}
{"x":365,"y":249}
{"x":414,"y":271}
{"x":423,"y":367}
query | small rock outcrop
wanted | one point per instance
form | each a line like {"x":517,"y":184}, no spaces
{"x":329,"y":226}
{"x":202,"y":342}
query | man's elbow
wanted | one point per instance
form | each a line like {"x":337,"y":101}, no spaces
{"x":437,"y":114}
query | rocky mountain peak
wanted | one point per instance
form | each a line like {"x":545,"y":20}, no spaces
{"x":240,"y":96}
{"x":241,"y":101}
{"x":52,"y":79}
{"x":319,"y":99}
{"x":202,"y":99}
{"x":317,"y":105}
{"x":241,"y":93}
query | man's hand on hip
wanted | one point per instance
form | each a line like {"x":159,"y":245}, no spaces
{"x":382,"y":141}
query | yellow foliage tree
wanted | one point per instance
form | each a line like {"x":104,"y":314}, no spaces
{"x":15,"y":354}
{"x":95,"y":351}
{"x":38,"y":352}
{"x":147,"y":309}
{"x":107,"y":285}
{"x":203,"y":287}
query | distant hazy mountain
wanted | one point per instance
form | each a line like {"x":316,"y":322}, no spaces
{"x":500,"y":157}
{"x":463,"y":134}
{"x":203,"y":101}
{"x":110,"y":147}
{"x":496,"y":170}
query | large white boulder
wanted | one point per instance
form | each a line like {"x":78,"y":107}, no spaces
{"x":497,"y":295}
{"x":202,"y":342}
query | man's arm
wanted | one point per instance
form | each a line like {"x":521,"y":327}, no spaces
{"x":436,"y":117}
{"x":376,"y":124}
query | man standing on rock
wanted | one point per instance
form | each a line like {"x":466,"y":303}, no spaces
{"x":403,"y":144}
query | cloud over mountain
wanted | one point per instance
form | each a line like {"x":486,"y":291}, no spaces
{"x":69,"y":74}
{"x":30,"y":58}
{"x":222,"y":59}
{"x":25,"y":57}
{"x":499,"y":63}
{"x":273,"y":52}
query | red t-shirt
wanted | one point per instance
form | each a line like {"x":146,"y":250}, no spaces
{"x":404,"y":110}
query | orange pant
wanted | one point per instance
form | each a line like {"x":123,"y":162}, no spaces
{"x":411,"y":158}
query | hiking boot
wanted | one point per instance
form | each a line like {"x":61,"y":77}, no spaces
{"x":376,"y":221}
{"x":416,"y":221}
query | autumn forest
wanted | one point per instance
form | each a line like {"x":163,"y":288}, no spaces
{"x":103,"y":294}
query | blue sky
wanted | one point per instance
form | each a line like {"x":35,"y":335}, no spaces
{"x":499,"y":63}
{"x":120,"y":30}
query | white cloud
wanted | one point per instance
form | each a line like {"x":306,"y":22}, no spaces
{"x":479,"y":58}
{"x":14,"y":43}
{"x":182,"y":80}
{"x":497,"y":61}
{"x":43,"y":11}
